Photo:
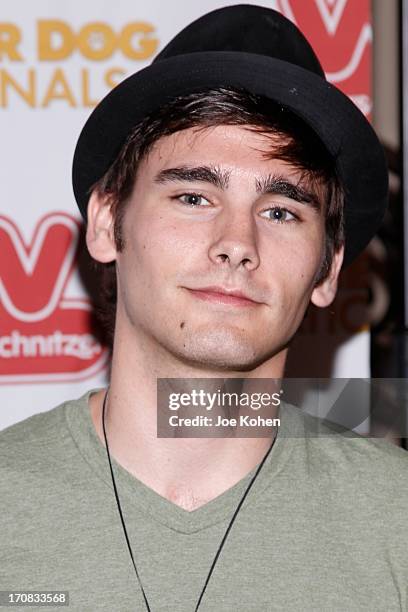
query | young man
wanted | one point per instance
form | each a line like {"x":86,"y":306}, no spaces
{"x":224,"y":187}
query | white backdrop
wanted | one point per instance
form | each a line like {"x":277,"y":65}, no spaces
{"x":56,"y":60}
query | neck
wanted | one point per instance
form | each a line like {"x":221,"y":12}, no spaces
{"x":187,"y":471}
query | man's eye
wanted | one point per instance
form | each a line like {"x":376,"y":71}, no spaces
{"x":193,"y":199}
{"x":280,"y":215}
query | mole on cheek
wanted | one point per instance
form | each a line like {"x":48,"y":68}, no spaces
{"x":182,"y":324}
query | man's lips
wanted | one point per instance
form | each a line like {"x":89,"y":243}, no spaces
{"x":221,"y":295}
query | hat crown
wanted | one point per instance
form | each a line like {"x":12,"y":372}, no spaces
{"x":245,"y":28}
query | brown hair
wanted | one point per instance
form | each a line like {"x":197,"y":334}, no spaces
{"x":293,"y":141}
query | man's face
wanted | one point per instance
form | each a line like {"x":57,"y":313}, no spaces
{"x":209,"y":210}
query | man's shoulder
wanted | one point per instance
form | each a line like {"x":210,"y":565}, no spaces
{"x":38,"y":437}
{"x":362,"y":481}
{"x":33,"y":428}
{"x":334,"y":446}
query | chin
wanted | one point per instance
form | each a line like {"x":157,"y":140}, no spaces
{"x":220,"y":351}
{"x":221,"y":362}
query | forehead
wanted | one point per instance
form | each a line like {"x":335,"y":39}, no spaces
{"x":236,"y":148}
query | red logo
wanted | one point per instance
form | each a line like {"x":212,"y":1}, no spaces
{"x":340,"y":32}
{"x":44,"y":335}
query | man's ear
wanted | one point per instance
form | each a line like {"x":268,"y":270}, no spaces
{"x":100,"y":238}
{"x":325,"y":292}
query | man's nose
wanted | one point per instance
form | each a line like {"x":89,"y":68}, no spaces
{"x":236,"y":240}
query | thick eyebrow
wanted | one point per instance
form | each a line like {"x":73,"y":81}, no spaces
{"x":280,"y":185}
{"x":273,"y":183}
{"x":207,"y":174}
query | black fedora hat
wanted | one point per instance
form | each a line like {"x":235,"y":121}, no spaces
{"x":258,"y":49}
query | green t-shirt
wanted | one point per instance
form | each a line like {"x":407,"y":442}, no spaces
{"x":324,"y":527}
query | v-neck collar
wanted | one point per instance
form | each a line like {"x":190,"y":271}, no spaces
{"x":157,"y":507}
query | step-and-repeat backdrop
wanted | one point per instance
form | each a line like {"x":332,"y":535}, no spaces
{"x":57,"y":60}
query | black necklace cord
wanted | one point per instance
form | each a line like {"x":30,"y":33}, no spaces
{"x":118,"y":502}
{"x":226,"y":532}
{"x":232,"y":521}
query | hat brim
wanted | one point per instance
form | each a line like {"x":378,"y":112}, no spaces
{"x":346,"y":133}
